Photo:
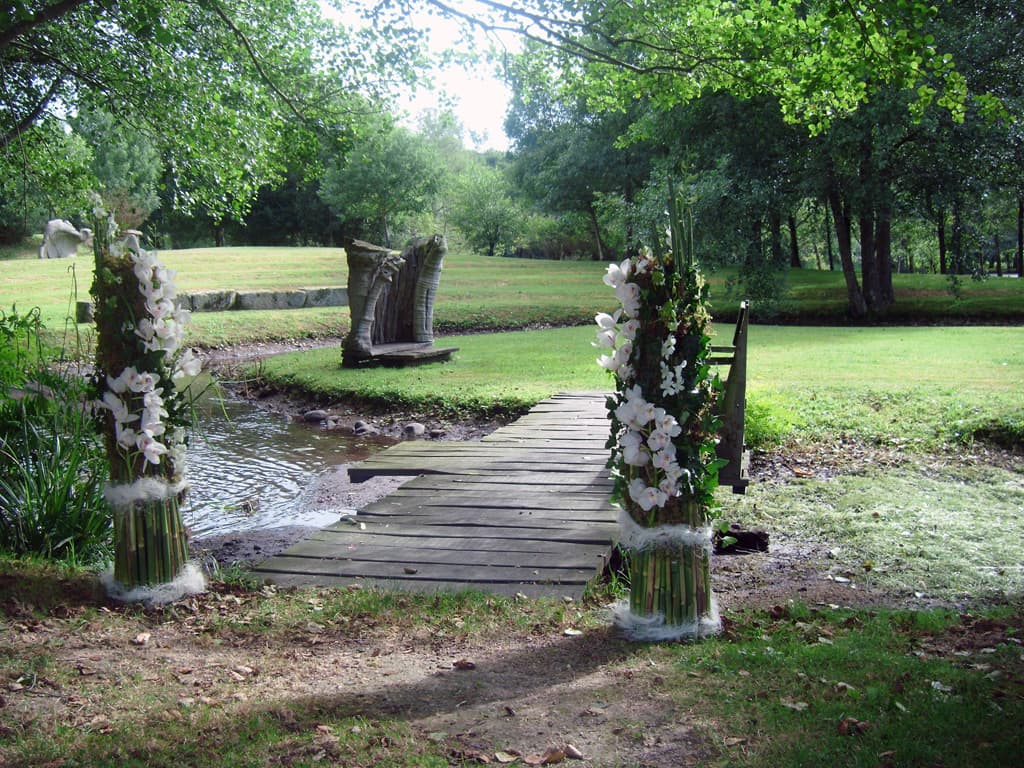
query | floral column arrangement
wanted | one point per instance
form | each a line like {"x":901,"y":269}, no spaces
{"x":138,"y":360}
{"x":663,"y":428}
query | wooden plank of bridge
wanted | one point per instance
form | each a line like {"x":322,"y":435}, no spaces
{"x":525,"y":510}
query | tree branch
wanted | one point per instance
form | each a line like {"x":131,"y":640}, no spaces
{"x":254,"y":58}
{"x":42,"y":16}
{"x":26,"y":122}
{"x":557,"y":34}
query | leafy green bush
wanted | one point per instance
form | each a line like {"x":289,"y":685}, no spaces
{"x":52,"y":464}
{"x":768,"y":422}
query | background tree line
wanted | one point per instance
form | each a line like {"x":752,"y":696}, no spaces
{"x":291,"y":140}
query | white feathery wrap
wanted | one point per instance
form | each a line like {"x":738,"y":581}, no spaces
{"x":143,"y":489}
{"x":639,"y":538}
{"x":654,"y":629}
{"x":190,"y":581}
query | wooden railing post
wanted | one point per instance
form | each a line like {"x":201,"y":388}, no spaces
{"x":733,"y":408}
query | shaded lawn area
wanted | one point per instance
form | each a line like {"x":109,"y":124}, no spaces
{"x":925,"y":386}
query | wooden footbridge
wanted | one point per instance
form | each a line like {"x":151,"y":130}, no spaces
{"x":525,"y":510}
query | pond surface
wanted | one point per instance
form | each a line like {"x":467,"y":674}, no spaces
{"x":252,"y":469}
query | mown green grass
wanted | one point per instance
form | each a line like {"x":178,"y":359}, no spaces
{"x":476,"y":293}
{"x":923,"y":386}
{"x":784,"y":682}
{"x":925,"y":530}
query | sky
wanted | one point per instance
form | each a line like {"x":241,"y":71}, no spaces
{"x":480,"y":97}
{"x":477,"y":97}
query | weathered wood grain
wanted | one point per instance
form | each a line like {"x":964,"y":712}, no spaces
{"x":526,"y":510}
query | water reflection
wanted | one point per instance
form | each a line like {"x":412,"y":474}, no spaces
{"x":253,"y":469}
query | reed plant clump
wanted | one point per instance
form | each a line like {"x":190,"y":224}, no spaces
{"x":52,"y":464}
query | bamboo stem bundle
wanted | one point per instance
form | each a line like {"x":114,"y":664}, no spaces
{"x":150,"y":543}
{"x":670,"y":582}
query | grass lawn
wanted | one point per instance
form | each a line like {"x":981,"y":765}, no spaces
{"x":878,"y":384}
{"x":248,"y":677}
{"x":476,"y":293}
{"x":889,"y":425}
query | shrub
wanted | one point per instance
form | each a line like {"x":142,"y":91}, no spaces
{"x":769,"y":423}
{"x":52,"y":464}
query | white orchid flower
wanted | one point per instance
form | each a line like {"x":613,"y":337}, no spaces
{"x":151,"y":448}
{"x":126,"y":437}
{"x":605,"y":339}
{"x":117,"y":407}
{"x":630,"y":329}
{"x":607,"y":322}
{"x":617,"y":274}
{"x":636,"y":456}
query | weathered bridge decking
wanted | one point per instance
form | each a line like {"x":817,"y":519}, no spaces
{"x":525,"y":510}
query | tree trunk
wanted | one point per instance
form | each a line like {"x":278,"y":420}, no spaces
{"x":775,"y":238}
{"x":883,"y":259}
{"x":941,"y":233}
{"x":959,"y":259}
{"x":1020,"y":238}
{"x":868,"y":260}
{"x":755,"y":247}
{"x":843,"y":224}
{"x":999,"y":256}
{"x":405,"y":310}
{"x":794,"y":247}
{"x":828,"y":242}
{"x":597,"y":231}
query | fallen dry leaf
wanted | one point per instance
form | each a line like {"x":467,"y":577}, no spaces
{"x":551,"y":756}
{"x":851,"y":725}
{"x":733,"y":741}
{"x":141,"y":639}
{"x":506,"y":757}
{"x":464,"y":664}
{"x":573,"y":753}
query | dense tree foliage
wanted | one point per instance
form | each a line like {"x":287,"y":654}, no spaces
{"x":384,"y":177}
{"x":893,"y":126}
{"x":227,"y":92}
{"x":125,"y":164}
{"x":482,"y":208}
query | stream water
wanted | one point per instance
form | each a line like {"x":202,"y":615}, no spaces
{"x":251,"y":469}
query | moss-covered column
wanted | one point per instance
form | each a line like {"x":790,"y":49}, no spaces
{"x":138,"y":360}
{"x":663,"y":427}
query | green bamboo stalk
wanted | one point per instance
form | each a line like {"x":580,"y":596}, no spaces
{"x":636,"y":580}
{"x":695,"y":564}
{"x":666,"y":584}
{"x":649,"y":596}
{"x":657,"y":605}
{"x":678,"y":595}
{"x":690,"y":584}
